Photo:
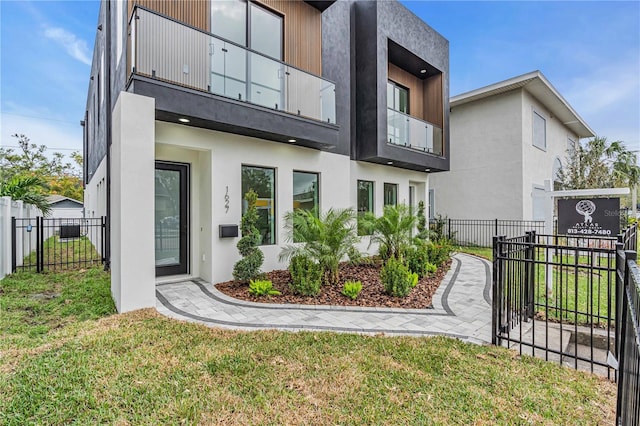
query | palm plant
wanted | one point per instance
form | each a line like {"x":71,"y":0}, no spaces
{"x":325,"y":238}
{"x":392,"y":230}
{"x":26,"y":189}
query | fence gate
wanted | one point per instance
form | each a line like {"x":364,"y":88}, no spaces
{"x":39,"y":244}
{"x":554,"y":298}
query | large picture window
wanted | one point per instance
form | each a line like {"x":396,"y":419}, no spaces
{"x":305,"y":191}
{"x":390,"y":194}
{"x":263,"y":182}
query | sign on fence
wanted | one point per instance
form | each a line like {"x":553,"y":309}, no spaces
{"x":589,"y":216}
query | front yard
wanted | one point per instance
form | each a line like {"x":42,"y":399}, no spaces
{"x":65,"y":357}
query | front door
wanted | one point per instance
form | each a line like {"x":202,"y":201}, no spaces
{"x":172,"y":218}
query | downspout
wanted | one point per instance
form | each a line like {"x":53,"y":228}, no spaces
{"x":107,"y":262}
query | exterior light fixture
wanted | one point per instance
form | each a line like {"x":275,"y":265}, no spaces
{"x":427,"y":170}
{"x":389,"y":162}
{"x":423,"y":71}
{"x":184,"y":120}
{"x":291,"y":140}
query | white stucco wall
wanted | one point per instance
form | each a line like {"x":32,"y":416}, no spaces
{"x":216,"y":160}
{"x":485,"y":178}
{"x":537,"y":164}
{"x":95,"y":195}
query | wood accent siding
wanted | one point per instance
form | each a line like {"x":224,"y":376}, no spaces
{"x":425,"y":96}
{"x":414,"y":84}
{"x":302,"y":33}
{"x":192,"y":12}
{"x":302,"y":25}
{"x":433,"y":101}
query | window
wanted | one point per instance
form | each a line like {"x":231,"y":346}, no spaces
{"x":539,"y":131}
{"x":305,"y":191}
{"x":432,"y":204}
{"x":390,"y":194}
{"x":537,"y":202}
{"x":397,"y":97}
{"x":262,"y":181}
{"x":365,"y":202}
{"x":571,"y":145}
{"x":254,"y":26}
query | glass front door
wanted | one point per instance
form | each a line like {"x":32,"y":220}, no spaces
{"x":171,"y":218}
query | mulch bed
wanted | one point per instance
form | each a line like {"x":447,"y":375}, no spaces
{"x":372,"y":294}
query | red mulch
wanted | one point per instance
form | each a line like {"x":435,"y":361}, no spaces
{"x":372,"y":294}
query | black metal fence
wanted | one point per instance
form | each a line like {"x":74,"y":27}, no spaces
{"x":628,"y":406}
{"x":39,"y":244}
{"x":480,"y":232}
{"x":554,"y":297}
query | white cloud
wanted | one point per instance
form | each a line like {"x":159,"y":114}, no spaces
{"x":74,"y":46}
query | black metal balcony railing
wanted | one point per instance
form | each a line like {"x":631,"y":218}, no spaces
{"x":167,"y":50}
{"x":414,"y":133}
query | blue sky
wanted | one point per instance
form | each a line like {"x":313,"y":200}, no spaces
{"x":590,"y":51}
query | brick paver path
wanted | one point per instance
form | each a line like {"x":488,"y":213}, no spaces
{"x":462,"y":308}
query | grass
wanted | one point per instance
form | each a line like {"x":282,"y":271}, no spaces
{"x":68,"y":359}
{"x":58,"y":254}
{"x":484,"y":252}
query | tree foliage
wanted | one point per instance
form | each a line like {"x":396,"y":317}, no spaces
{"x":54,"y":174}
{"x":248,"y":268}
{"x":326,"y":238}
{"x":599,"y":164}
{"x":25,"y":188}
{"x":392,"y":230}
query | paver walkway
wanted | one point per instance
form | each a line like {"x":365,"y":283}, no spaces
{"x":462,"y":308}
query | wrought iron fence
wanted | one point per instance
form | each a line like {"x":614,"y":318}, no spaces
{"x":554,"y":297}
{"x":39,"y":244}
{"x":628,"y":404}
{"x":480,"y":232}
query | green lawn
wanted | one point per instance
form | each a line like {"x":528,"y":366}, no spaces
{"x":58,"y":254}
{"x":68,"y":359}
{"x":484,"y":252}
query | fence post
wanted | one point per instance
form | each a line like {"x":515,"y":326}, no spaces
{"x":14,"y":258}
{"x":622,"y":323}
{"x":449,"y":228}
{"x":103,"y":231}
{"x":530,"y":274}
{"x":620,"y":276}
{"x":39,"y":244}
{"x":496,"y":293}
{"x":495,"y":227}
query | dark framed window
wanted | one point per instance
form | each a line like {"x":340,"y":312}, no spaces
{"x":365,"y":202}
{"x":306,"y":188}
{"x":263,"y":181}
{"x":249,"y":24}
{"x":397,"y":97}
{"x":390,"y":194}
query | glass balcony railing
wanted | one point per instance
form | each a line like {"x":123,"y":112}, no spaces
{"x":410,"y":132}
{"x":167,"y":50}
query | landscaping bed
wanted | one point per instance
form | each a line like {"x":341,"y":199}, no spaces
{"x":372,"y":294}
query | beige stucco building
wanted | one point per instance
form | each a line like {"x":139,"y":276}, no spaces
{"x":506,"y":140}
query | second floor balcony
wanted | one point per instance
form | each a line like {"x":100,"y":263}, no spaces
{"x":168,"y":51}
{"x":410,"y":132}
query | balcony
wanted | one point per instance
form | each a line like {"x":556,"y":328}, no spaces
{"x":250,"y":93}
{"x":413,"y":133}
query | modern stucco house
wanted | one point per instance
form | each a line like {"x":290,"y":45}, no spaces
{"x":506,"y":140}
{"x":310,"y":103}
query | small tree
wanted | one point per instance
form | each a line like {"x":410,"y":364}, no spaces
{"x":421,"y":223}
{"x":27,"y":189}
{"x":326,"y":239}
{"x":392,"y":230}
{"x":248,"y":268}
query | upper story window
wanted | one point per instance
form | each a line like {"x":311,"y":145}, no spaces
{"x":539,"y":131}
{"x":397,"y":97}
{"x":248,"y":24}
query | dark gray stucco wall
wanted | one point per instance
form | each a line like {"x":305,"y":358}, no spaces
{"x":376,"y":23}
{"x":337,"y":63}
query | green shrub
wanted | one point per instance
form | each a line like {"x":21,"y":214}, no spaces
{"x":306,"y":276}
{"x":417,"y":259}
{"x":248,"y":268}
{"x":397,"y":279}
{"x":439,"y":252}
{"x":352,"y":289}
{"x":262,"y":288}
{"x":431,"y":268}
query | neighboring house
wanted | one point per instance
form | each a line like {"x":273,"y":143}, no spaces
{"x":506,"y":140}
{"x":65,"y":207}
{"x":313,"y":104}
